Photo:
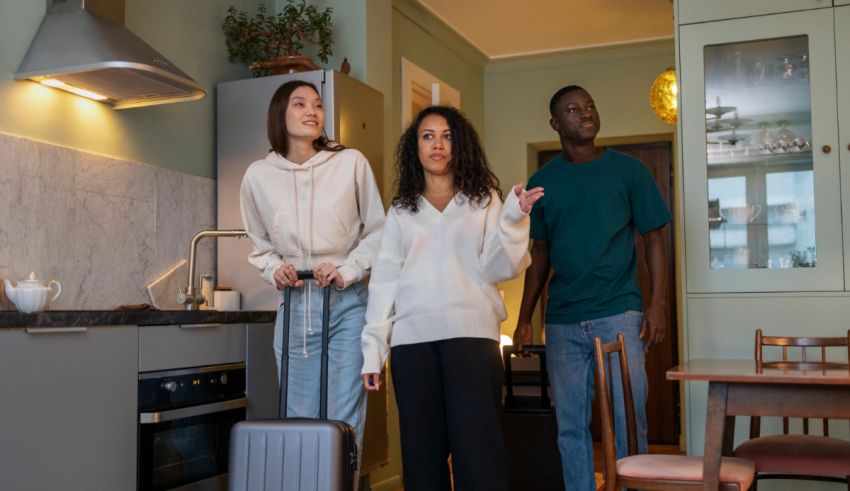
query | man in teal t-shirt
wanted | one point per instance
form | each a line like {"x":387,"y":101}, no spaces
{"x":583,"y":230}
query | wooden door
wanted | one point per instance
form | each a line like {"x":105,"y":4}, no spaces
{"x":663,"y":402}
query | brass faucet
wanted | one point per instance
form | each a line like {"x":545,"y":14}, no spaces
{"x":192,"y":297}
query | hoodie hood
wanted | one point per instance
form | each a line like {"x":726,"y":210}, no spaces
{"x":281,"y":162}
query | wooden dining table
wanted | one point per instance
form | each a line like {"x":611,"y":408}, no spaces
{"x":739,"y":388}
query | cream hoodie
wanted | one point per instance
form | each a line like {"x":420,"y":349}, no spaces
{"x":436,"y":272}
{"x":325,"y":210}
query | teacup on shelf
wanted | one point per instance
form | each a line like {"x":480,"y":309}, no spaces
{"x":788,"y":212}
{"x":741,"y":214}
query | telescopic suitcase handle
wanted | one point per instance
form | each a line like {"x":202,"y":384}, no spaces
{"x":284,"y":355}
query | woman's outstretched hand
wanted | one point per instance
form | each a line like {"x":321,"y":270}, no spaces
{"x":527,"y":197}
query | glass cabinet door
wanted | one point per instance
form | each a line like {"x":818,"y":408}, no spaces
{"x":761,"y":178}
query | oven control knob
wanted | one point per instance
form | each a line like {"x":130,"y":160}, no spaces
{"x":223,"y":379}
{"x":170,"y":386}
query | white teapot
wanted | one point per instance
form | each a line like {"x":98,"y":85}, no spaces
{"x":30,"y":295}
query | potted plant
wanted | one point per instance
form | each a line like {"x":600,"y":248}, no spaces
{"x":273,"y":43}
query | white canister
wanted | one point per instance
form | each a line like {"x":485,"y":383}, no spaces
{"x":227,"y":300}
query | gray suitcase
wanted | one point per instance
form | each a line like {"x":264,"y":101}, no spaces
{"x":294,"y":454}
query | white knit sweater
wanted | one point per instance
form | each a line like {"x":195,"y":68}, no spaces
{"x":435,"y":274}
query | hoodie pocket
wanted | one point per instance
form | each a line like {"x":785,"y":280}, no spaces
{"x":329,"y":233}
{"x":285,"y":234}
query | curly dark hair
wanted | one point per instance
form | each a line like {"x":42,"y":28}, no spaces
{"x":276,"y":123}
{"x":472,"y":173}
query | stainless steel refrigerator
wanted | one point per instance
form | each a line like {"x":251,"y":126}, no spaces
{"x":353,"y":116}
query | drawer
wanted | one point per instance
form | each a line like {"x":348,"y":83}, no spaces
{"x":190,"y":345}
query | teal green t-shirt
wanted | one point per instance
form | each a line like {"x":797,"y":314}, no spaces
{"x":588,"y":215}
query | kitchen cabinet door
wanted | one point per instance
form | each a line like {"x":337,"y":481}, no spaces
{"x":692,"y":11}
{"x":190,"y":345}
{"x":760,"y":158}
{"x":69,"y":415}
{"x":262,"y":373}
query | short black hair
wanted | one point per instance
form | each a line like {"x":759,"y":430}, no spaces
{"x":561,"y":93}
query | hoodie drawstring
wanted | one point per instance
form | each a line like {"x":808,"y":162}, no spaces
{"x":306,"y":300}
{"x":305,"y":305}
{"x":309,"y":314}
{"x":301,"y":249}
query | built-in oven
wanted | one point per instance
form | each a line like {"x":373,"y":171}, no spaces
{"x":185,"y":417}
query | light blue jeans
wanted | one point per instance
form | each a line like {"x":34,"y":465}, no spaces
{"x":346,"y":395}
{"x":569,"y":356}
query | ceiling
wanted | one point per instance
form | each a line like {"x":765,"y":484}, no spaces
{"x":503,"y":28}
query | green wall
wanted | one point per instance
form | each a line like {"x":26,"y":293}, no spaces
{"x":517,"y":92}
{"x":178,"y":136}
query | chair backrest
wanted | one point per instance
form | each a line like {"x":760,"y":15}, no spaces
{"x":603,"y":353}
{"x":806,"y":347}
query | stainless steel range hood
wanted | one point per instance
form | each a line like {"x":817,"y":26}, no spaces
{"x":79,"y":50}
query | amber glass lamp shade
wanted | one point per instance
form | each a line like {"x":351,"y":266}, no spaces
{"x":662,"y":96}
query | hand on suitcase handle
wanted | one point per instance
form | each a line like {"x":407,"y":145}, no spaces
{"x":286,"y":276}
{"x":326,"y":274}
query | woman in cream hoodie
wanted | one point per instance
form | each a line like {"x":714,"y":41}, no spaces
{"x":312,"y":204}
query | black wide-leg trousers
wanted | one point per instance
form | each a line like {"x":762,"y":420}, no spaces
{"x":448,"y":394}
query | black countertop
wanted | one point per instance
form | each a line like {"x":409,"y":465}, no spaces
{"x":84,"y":318}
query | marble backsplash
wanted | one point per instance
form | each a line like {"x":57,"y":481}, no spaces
{"x":103,"y":227}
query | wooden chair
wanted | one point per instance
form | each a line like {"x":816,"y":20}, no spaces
{"x":650,"y":472}
{"x":798,"y":456}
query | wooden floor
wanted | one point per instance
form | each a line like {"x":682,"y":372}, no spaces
{"x":597,"y":459}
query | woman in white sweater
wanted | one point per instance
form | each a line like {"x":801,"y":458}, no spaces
{"x":447,"y":241}
{"x":312,"y":204}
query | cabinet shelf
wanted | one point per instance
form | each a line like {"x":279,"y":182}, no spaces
{"x":752,"y":157}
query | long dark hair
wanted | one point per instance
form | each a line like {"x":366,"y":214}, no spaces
{"x":472,"y":174}
{"x":276,"y":124}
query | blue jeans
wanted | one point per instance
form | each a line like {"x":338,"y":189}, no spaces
{"x":346,"y":395}
{"x":569,"y":355}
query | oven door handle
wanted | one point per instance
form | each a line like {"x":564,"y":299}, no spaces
{"x":188,"y":412}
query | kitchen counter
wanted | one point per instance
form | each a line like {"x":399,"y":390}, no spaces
{"x":84,"y":318}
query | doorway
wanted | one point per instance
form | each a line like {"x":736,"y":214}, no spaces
{"x":663,"y":402}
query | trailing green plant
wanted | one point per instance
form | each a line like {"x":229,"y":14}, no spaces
{"x":266,"y":36}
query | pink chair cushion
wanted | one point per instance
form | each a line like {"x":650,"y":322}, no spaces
{"x":683,"y":468}
{"x":812,"y":455}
